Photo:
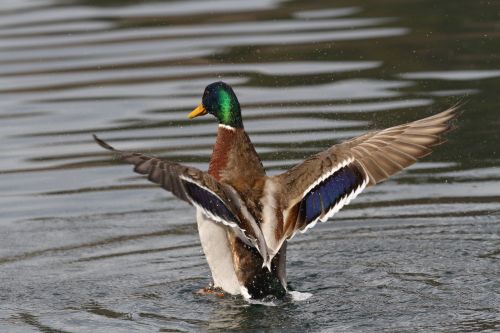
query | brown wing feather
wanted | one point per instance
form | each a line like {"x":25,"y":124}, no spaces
{"x":166,"y":174}
{"x":380,"y":153}
{"x":219,"y":201}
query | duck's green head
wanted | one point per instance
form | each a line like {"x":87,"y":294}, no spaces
{"x":219,"y":100}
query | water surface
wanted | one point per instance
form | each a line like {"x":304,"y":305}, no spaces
{"x":87,"y":246}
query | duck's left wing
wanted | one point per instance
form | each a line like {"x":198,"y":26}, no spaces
{"x":220,"y":202}
{"x":317,"y":188}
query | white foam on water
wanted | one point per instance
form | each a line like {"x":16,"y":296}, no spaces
{"x":298,"y":296}
{"x":260,"y":302}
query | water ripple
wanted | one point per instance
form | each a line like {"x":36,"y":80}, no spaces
{"x":86,"y":245}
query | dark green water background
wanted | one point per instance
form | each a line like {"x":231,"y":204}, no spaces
{"x":86,"y":246}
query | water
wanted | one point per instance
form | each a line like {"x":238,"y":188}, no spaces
{"x":87,"y":246}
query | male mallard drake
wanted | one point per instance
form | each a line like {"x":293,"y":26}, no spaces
{"x":245,"y":218}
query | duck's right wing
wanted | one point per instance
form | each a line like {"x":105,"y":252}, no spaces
{"x":317,"y":188}
{"x":220,"y":202}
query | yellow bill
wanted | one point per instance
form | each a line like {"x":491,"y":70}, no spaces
{"x":199,"y":111}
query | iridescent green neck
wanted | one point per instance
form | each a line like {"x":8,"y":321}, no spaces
{"x":229,"y":112}
{"x":220,"y":100}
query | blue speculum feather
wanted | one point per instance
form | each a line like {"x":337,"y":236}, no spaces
{"x":330,"y":191}
{"x":313,"y":205}
{"x":209,"y":202}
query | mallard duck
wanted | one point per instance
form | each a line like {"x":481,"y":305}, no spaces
{"x":246,"y":218}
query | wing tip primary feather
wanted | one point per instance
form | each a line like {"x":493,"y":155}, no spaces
{"x":103,"y":144}
{"x":449,"y":119}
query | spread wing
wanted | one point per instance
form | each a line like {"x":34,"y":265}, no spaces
{"x":321,"y":185}
{"x":220,"y":202}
